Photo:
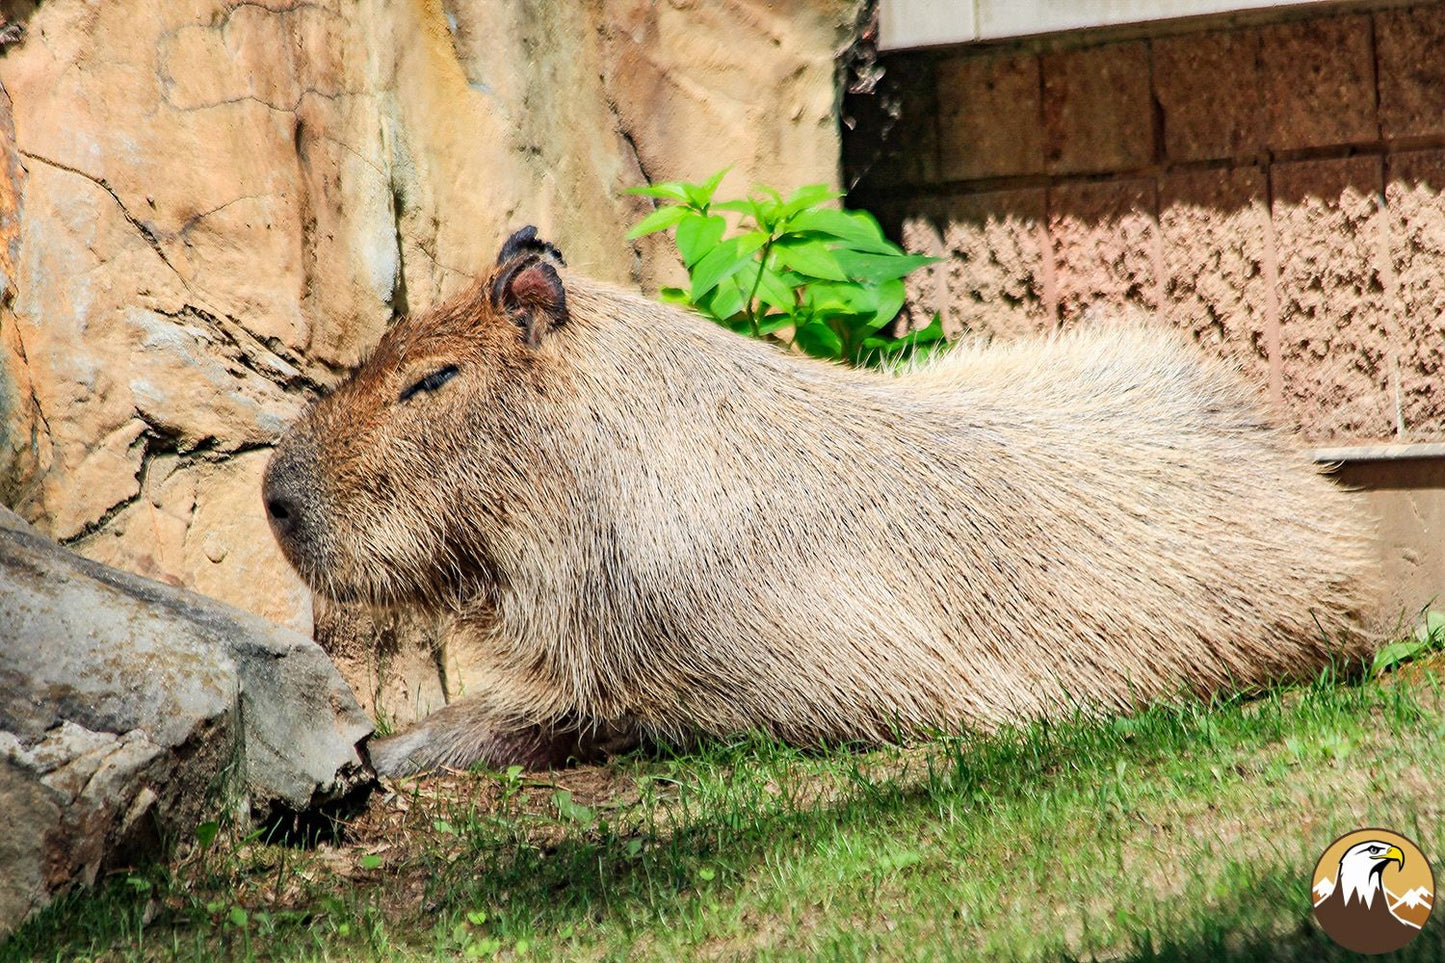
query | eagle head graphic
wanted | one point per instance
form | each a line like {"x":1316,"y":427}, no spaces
{"x":1356,"y":912}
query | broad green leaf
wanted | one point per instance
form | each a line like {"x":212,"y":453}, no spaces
{"x":712,"y":182}
{"x":774,"y":323}
{"x":1426,"y":638}
{"x":1396,"y":653}
{"x":768,"y":209}
{"x":890,"y":296}
{"x":700,"y":195}
{"x":659,"y":220}
{"x":697,"y":235}
{"x":567,"y":809}
{"x":792,"y":279}
{"x":668,"y":190}
{"x":775,"y":292}
{"x":674,"y":296}
{"x":725,"y":300}
{"x":725,"y":260}
{"x":206,"y":833}
{"x":857,"y":228}
{"x":741,"y":207}
{"x":810,"y":257}
{"x":819,"y":340}
{"x":807,"y":196}
{"x":880,"y":267}
{"x":841,"y":297}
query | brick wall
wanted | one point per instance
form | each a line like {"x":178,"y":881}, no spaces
{"x":1274,"y":188}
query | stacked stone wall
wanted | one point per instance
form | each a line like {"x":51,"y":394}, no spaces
{"x":1272,"y":187}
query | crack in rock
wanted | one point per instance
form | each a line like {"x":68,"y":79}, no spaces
{"x":141,"y":227}
{"x":270,"y":360}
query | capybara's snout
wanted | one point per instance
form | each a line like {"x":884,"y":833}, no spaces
{"x":288,"y":491}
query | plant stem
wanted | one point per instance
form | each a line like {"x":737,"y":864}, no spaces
{"x":757,"y":282}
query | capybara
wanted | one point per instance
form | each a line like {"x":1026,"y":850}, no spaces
{"x":654,"y":527}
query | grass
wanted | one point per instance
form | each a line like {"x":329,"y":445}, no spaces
{"x":1186,"y":832}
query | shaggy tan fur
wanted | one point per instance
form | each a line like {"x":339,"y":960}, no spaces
{"x":654,"y":525}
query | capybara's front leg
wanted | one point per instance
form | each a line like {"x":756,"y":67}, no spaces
{"x":468,"y":731}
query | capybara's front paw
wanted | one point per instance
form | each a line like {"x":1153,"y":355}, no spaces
{"x":400,"y":755}
{"x":464,"y":734}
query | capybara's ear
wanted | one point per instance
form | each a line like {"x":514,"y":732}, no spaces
{"x":525,"y":242}
{"x":529,"y":291}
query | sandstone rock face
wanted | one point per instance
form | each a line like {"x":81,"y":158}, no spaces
{"x":131,"y":711}
{"x":210,"y":209}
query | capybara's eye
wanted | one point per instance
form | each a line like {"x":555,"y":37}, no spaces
{"x":432,"y":381}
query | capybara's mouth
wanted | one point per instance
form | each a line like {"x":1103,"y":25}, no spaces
{"x":354,"y":594}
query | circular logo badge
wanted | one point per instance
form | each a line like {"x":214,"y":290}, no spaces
{"x":1372,"y":891}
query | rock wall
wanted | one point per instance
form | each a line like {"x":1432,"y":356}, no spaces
{"x":209,"y":210}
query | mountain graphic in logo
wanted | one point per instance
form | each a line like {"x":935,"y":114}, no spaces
{"x":1373,"y":891}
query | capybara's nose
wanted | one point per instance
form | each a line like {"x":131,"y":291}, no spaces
{"x":283,"y":512}
{"x":286,"y":494}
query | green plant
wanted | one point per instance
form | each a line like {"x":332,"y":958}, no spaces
{"x":790,"y":270}
{"x":1428,"y":636}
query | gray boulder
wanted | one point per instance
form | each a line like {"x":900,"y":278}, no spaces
{"x":131,"y":712}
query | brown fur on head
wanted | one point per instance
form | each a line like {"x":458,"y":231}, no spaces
{"x":365,"y":493}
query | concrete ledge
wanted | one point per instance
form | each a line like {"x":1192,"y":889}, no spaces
{"x":904,"y":24}
{"x":1406,"y":496}
{"x":1356,"y":453}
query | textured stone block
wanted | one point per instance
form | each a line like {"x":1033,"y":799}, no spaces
{"x":1334,"y":323}
{"x":1415,"y":202}
{"x":1106,"y":247}
{"x":1410,"y":52}
{"x":990,"y":119}
{"x":1214,"y":227}
{"x":920,"y":234}
{"x":1098,"y":110}
{"x":1207,"y":85}
{"x":996,"y":280}
{"x":1318,"y":81}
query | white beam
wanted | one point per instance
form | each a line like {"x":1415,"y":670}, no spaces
{"x":904,"y":24}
